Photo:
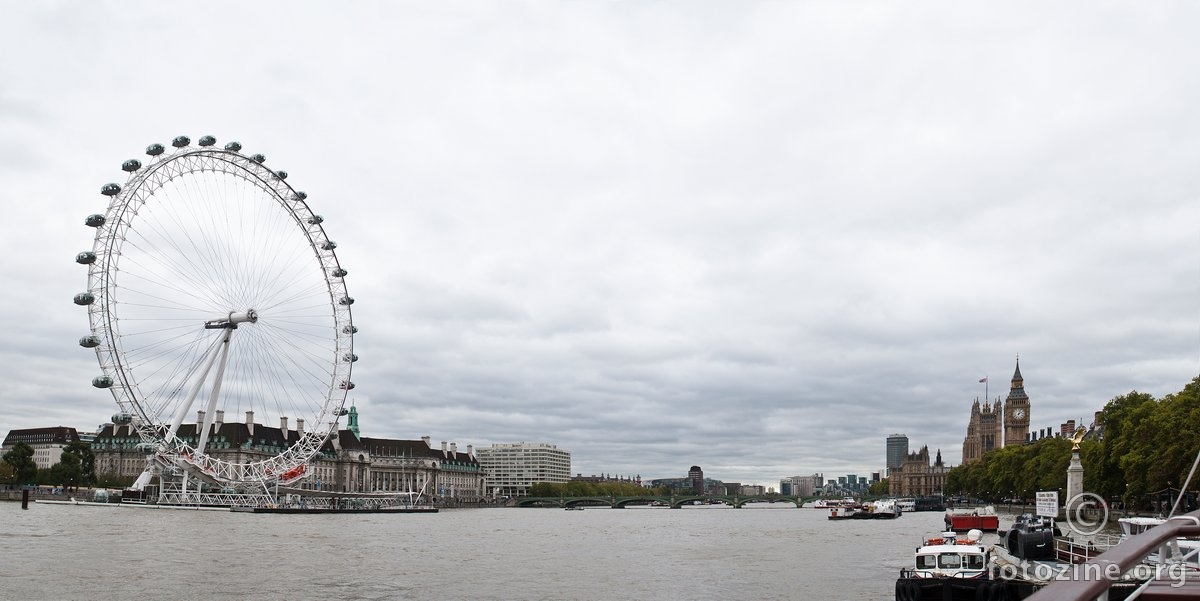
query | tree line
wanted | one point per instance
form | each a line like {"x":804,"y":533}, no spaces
{"x":576,"y":488}
{"x":1145,"y":450}
{"x":76,"y":467}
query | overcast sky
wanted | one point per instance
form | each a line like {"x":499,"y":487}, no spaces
{"x":754,"y":237}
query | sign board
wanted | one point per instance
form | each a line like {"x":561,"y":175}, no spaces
{"x":1047,"y":503}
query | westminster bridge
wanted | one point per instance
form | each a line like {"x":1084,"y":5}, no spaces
{"x":673,"y":501}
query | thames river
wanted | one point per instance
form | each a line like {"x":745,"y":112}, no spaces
{"x":759,"y":552}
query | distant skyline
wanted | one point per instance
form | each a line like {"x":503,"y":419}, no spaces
{"x":756,"y":237}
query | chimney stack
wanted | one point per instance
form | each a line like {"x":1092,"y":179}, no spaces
{"x":300,"y":426}
{"x":199,"y":419}
{"x":283,"y":425}
{"x":220,"y":419}
{"x":250,"y":422}
{"x":425,"y":439}
{"x":454,"y":448}
{"x":444,"y":447}
{"x":471,"y":451}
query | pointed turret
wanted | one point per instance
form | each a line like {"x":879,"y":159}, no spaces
{"x":352,"y":424}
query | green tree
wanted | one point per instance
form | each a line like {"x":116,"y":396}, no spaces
{"x":68,"y":472}
{"x":20,"y":457}
{"x":84,"y":458}
{"x":879,"y":489}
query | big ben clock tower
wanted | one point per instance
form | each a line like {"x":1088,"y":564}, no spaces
{"x":1016,"y":411}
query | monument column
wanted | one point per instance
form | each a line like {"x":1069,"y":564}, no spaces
{"x":1074,"y":471}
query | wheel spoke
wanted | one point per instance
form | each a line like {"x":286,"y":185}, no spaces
{"x":202,"y":239}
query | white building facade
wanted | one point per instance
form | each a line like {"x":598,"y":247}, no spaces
{"x":510,"y":468}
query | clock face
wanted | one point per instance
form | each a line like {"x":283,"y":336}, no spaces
{"x":1019,"y":413}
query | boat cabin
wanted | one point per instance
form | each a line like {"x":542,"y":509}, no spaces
{"x":949,"y":555}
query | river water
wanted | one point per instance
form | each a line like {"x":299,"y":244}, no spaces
{"x":760,"y":552}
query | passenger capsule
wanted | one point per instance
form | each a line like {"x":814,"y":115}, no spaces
{"x":86,"y":257}
{"x":121,"y":418}
{"x":110,"y":189}
{"x":339,"y":273}
{"x":131,"y":165}
{"x":233,"y":146}
{"x":155,"y":149}
{"x":350,"y":330}
{"x":102,"y":382}
{"x":207,"y":140}
{"x":91,"y":341}
{"x":347,"y":385}
{"x":329,"y":245}
{"x":94,"y":220}
{"x":346,"y":300}
{"x":281,"y":174}
{"x":350,"y":358}
{"x":181,"y":141}
{"x":86,"y":298}
{"x":316,"y":220}
{"x":258,"y":158}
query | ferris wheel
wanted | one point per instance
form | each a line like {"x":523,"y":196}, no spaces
{"x":213,"y":293}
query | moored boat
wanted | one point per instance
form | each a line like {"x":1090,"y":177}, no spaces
{"x":843,"y":513}
{"x":949,"y":566}
{"x":1031,"y":537}
{"x":962,"y":520}
{"x":883,"y":509}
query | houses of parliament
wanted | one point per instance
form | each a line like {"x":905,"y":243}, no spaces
{"x":990,"y":427}
{"x":995,"y":426}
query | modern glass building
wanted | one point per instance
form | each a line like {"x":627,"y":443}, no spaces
{"x":897,"y":451}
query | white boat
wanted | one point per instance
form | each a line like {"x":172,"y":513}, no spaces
{"x":907,"y":505}
{"x":951,"y":555}
{"x":847,"y":502}
{"x":882,"y":509}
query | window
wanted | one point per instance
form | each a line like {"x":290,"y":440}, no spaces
{"x":949,"y":560}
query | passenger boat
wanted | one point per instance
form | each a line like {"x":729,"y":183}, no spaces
{"x":907,"y":505}
{"x":962,"y":520}
{"x":883,"y":509}
{"x":843,"y":513}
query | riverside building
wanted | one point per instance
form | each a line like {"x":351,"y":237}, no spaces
{"x":348,"y":462}
{"x":994,"y":426}
{"x":511,"y":468}
{"x":47,"y":443}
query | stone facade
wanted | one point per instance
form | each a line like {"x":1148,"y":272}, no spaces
{"x":347,"y":463}
{"x":995,"y":426}
{"x":918,"y":477}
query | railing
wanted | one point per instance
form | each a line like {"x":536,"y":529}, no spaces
{"x":1120,"y":559}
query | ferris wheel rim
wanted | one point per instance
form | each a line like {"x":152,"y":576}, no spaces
{"x":104,"y":286}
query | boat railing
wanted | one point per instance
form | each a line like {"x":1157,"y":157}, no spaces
{"x":915,"y":573}
{"x":1107,"y":568}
